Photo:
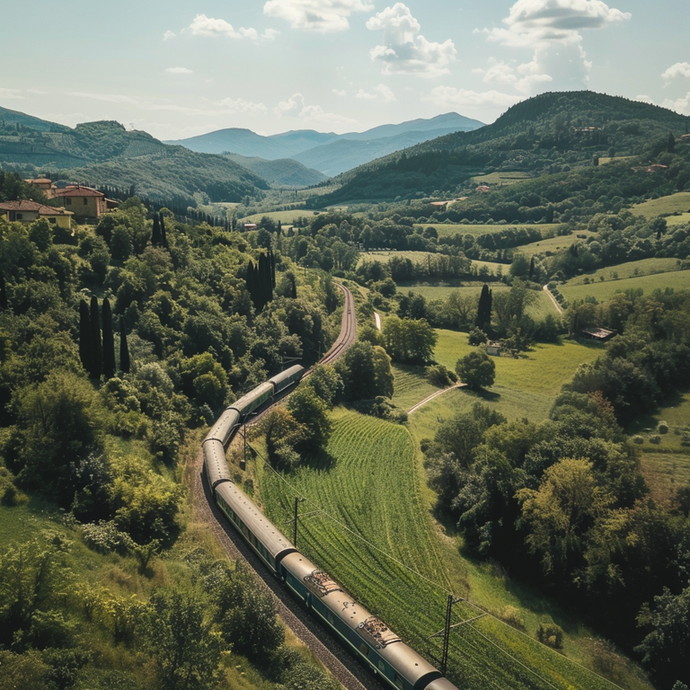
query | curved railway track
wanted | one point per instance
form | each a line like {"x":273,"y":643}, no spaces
{"x":326,"y":648}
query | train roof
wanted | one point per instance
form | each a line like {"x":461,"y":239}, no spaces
{"x":408,"y":663}
{"x":263,"y":529}
{"x":250,"y":397}
{"x":287,"y":374}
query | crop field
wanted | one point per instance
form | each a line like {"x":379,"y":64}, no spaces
{"x":376,"y":537}
{"x":665,"y":205}
{"x":445,"y":229}
{"x":501,"y":179}
{"x":678,"y":280}
{"x":386,"y":255}
{"x":541,"y":306}
{"x":410,"y":386}
{"x":630,"y":269}
{"x":551,"y":245}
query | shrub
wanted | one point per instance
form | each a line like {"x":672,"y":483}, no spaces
{"x":637,"y":439}
{"x":511,"y":615}
{"x":551,"y":635}
{"x":662,"y":428}
{"x":655,"y":439}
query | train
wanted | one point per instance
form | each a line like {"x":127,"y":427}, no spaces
{"x":365,"y":635}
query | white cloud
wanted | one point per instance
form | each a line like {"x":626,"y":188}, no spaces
{"x":535,"y":21}
{"x":552,"y":29}
{"x":168,"y":35}
{"x":295,"y":106}
{"x":209,"y":27}
{"x":381,"y":91}
{"x":270,"y":34}
{"x":239,"y":105}
{"x":179,"y":70}
{"x":680,"y":69}
{"x":11,"y":95}
{"x":451,"y":97}
{"x":404,"y":49}
{"x":680,"y":105}
{"x":316,"y":15}
{"x":339,"y":92}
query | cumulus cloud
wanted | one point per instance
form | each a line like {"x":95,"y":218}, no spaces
{"x":270,"y":34}
{"x":451,"y":97}
{"x":179,"y":70}
{"x":381,"y":91}
{"x":404,"y":49}
{"x":339,"y":92}
{"x":296,"y":106}
{"x":210,"y":27}
{"x":316,"y":15}
{"x":168,"y":35}
{"x":552,"y":29}
{"x":680,"y":105}
{"x":680,"y":69}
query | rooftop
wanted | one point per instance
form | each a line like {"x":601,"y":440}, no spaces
{"x":33,"y":207}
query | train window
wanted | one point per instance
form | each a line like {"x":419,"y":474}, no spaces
{"x":398,"y":681}
{"x":330,"y":618}
{"x":382,"y":666}
{"x":364,"y":649}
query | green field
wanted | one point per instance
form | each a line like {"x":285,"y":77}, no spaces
{"x":445,"y":229}
{"x":285,"y":217}
{"x":501,"y":179}
{"x":366,"y":521}
{"x":386,"y":255}
{"x":541,"y":306}
{"x":550,"y":246}
{"x":630,"y":269}
{"x":665,"y":205}
{"x":678,"y":280}
{"x":410,"y":386}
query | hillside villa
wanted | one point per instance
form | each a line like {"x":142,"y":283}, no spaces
{"x":26,"y":211}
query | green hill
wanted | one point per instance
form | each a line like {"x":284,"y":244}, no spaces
{"x":283,"y":171}
{"x":553,"y":132}
{"x":104,"y":153}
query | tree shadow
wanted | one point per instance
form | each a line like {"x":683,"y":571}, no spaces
{"x":322,"y":461}
{"x":488,"y":396}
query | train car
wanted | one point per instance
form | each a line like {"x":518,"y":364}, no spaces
{"x":365,"y":634}
{"x":261,"y":534}
{"x":224,"y":426}
{"x":255,"y":398}
{"x":287,"y":378}
{"x":215,"y":464}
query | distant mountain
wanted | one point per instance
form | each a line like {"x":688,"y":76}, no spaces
{"x":326,"y":152}
{"x":548,"y":133}
{"x":104,"y":153}
{"x":284,"y":172}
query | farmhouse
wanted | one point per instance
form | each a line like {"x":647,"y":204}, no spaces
{"x":26,"y":211}
{"x":493,"y":348}
{"x":85,"y":202}
{"x":600,"y":335}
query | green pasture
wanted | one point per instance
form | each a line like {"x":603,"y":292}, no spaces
{"x":603,"y":160}
{"x":551,"y":245}
{"x":630,"y":269}
{"x":677,"y":219}
{"x":410,"y":385}
{"x":501,"y":179}
{"x":285,"y":217}
{"x":365,"y":520}
{"x":540,"y":307}
{"x":476,"y":229}
{"x":664,"y":206}
{"x":665,"y":472}
{"x":385,"y":256}
{"x":678,"y":280}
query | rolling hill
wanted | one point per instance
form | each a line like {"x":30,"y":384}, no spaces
{"x":330,"y":154}
{"x":283,"y":172}
{"x":104,"y":152}
{"x":553,"y":132}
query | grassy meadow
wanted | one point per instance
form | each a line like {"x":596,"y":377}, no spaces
{"x":678,"y":280}
{"x":366,"y":521}
{"x":630,"y":269}
{"x":476,"y":229}
{"x":501,"y":179}
{"x":665,"y":205}
{"x":551,"y":245}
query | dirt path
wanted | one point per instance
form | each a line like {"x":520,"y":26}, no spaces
{"x":434,"y":395}
{"x":553,"y":299}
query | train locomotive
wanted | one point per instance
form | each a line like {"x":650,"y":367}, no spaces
{"x":365,"y":635}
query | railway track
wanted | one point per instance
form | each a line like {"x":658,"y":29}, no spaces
{"x":349,"y":673}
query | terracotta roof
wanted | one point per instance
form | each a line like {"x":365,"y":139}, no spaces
{"x":40,"y":180}
{"x":78,"y":192}
{"x":33,"y":207}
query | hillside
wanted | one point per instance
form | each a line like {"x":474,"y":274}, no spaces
{"x":283,"y":172}
{"x":105,"y":153}
{"x":548,"y":133}
{"x":330,"y":153}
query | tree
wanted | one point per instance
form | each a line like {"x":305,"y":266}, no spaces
{"x":311,"y":412}
{"x":180,"y":639}
{"x":483,"y":320}
{"x":96,"y":345}
{"x":476,"y":369}
{"x":409,"y":340}
{"x":124,"y":349}
{"x":85,"y":344}
{"x":108,"y":341}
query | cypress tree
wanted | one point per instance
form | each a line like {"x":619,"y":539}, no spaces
{"x":3,"y":291}
{"x":484,"y":308}
{"x":124,"y":350}
{"x":85,"y":350}
{"x":251,"y":283}
{"x":108,"y":341}
{"x":164,"y":237}
{"x":156,"y":236}
{"x":272,"y":264}
{"x":96,"y":346}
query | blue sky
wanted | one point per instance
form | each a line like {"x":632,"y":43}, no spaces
{"x":186,"y":67}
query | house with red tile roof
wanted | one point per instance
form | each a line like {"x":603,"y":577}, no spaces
{"x":26,"y":211}
{"x":84,"y":202}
